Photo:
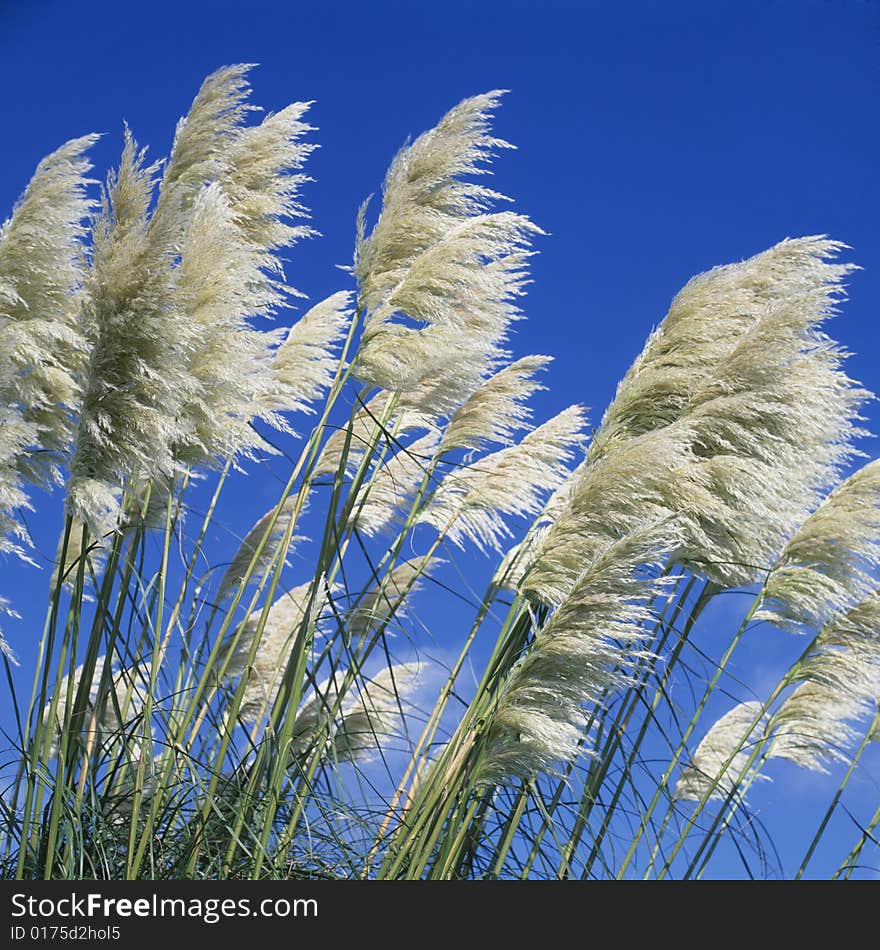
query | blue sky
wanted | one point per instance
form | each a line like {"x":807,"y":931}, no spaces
{"x":655,"y":140}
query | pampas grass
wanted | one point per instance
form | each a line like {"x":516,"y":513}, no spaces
{"x":325,"y":690}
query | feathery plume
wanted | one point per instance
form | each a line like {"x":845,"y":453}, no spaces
{"x":741,"y":373}
{"x":233,"y":189}
{"x":440,"y":359}
{"x":646,"y":477}
{"x":281,"y":625}
{"x":384,"y":497}
{"x":5,"y":648}
{"x":263,"y":179}
{"x":42,"y":349}
{"x":362,"y":720}
{"x":497,"y":409}
{"x":94,"y":554}
{"x":830,"y":562}
{"x":437,"y":256}
{"x":137,"y":377}
{"x":304,"y":364}
{"x":737,"y":729}
{"x":271,"y":539}
{"x":704,"y":323}
{"x":230,"y":272}
{"x":367,"y":428}
{"x":838,"y":686}
{"x":773,"y":427}
{"x":378,"y":711}
{"x":471,"y":502}
{"x":284,"y":622}
{"x":517,"y":560}
{"x":257,"y":167}
{"x":176,"y":373}
{"x":467,"y":280}
{"x":387,"y":596}
{"x":856,"y":628}
{"x":813,"y":726}
{"x":122,"y":704}
{"x":16,"y":436}
{"x":464,"y":287}
{"x":202,"y":137}
{"x":213,"y":291}
{"x":424,"y":195}
{"x":583,"y":649}
{"x":451,"y":368}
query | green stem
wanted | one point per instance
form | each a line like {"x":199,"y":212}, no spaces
{"x":627,"y":709}
{"x":511,"y":825}
{"x":869,"y":735}
{"x":680,"y":751}
{"x":734,"y":795}
{"x":848,"y":865}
